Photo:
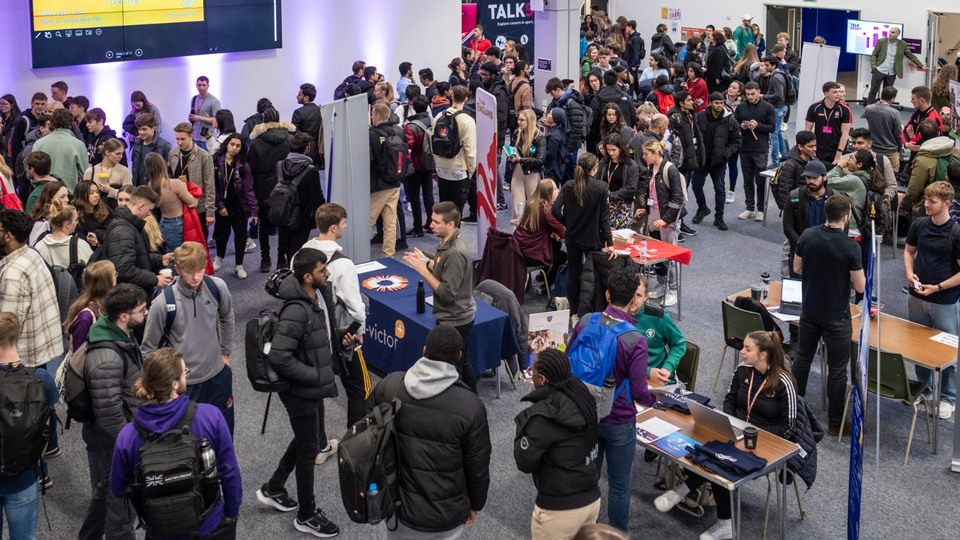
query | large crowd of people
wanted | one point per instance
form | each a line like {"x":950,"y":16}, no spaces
{"x":110,"y":267}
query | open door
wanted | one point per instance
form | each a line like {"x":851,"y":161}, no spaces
{"x":784,"y":19}
{"x":933,"y":31}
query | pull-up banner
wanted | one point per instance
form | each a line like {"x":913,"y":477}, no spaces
{"x":503,"y":21}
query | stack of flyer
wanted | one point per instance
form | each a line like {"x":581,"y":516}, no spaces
{"x":654,"y":429}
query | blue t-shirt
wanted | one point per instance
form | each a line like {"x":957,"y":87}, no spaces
{"x":16,"y":484}
{"x":816,"y":213}
{"x":936,"y":259}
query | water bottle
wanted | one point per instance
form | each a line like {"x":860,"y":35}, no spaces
{"x":643,"y":247}
{"x":421,"y":298}
{"x":373,"y":505}
{"x":764,"y":287}
{"x":210,"y":484}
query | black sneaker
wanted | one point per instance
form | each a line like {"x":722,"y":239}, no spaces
{"x":472,"y":218}
{"x":279,"y":501}
{"x":501,"y":207}
{"x":401,"y":245}
{"x":687,"y":230}
{"x":318,"y":525}
{"x":415,"y":233}
{"x":718,"y":223}
{"x":282,"y":263}
{"x":701,"y":213}
{"x":52,"y":452}
{"x":265,"y":266}
{"x":46,"y":482}
{"x":377,"y":239}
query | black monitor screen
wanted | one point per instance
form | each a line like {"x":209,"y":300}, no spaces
{"x":72,"y":32}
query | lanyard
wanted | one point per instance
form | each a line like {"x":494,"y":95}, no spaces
{"x":750,"y":402}
{"x":611,"y":171}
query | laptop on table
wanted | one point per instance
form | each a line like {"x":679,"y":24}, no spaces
{"x":717,"y":421}
{"x":791,"y":296}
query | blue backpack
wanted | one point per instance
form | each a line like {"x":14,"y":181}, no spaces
{"x":592,"y":355}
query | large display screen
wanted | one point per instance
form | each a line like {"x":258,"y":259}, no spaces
{"x":72,"y":32}
{"x":862,"y":36}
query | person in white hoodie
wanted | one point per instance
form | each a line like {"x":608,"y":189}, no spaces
{"x":54,"y":246}
{"x":331,"y":221}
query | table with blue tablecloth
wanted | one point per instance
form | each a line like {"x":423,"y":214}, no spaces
{"x":395,"y":332}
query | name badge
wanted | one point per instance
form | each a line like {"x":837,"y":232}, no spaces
{"x":827,"y":129}
{"x":651,"y":202}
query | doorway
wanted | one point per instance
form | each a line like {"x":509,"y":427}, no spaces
{"x":943,"y":40}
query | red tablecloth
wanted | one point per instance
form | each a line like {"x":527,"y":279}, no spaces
{"x":660,"y":250}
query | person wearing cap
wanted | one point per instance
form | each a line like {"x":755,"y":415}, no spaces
{"x":804,"y":207}
{"x":743,"y":35}
{"x":721,"y":139}
{"x":886,"y":62}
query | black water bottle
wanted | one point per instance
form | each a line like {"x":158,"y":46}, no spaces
{"x":421,"y":298}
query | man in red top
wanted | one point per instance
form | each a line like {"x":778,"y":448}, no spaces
{"x":920,"y":98}
{"x":479,"y":43}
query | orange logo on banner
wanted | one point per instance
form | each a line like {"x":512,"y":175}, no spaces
{"x":399,"y":330}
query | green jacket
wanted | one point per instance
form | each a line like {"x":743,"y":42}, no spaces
{"x":880,"y":54}
{"x":852,"y":185}
{"x":67,"y":154}
{"x":743,"y":36}
{"x":925,"y":171}
{"x":665,"y":344}
{"x":103,"y":329}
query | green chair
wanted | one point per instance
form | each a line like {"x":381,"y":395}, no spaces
{"x":687,"y":368}
{"x":737,"y":323}
{"x":894,"y":384}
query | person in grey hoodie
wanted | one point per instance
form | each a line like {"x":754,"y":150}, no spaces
{"x":201,"y":328}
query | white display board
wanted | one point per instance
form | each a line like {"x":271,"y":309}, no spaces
{"x":862,"y":36}
{"x":819,"y":66}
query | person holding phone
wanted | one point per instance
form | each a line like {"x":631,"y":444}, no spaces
{"x":93,"y":213}
{"x":528,"y":152}
{"x":203,"y":112}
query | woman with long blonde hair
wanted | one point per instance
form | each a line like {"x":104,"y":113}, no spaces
{"x":538,"y":232}
{"x":743,"y":69}
{"x":530,"y":149}
{"x":98,"y":279}
{"x":173,"y":196}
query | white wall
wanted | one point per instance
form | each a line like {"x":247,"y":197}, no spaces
{"x":698,"y":13}
{"x":321,"y":39}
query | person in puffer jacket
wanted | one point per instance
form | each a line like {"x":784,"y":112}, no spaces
{"x":444,"y":442}
{"x":112,"y":367}
{"x":556,"y":441}
{"x":162,"y":387}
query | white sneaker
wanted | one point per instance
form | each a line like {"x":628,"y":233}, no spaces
{"x":759,"y":216}
{"x":671,"y":299}
{"x":784,"y":126}
{"x":946,"y":410}
{"x":747,"y":214}
{"x":731,"y":197}
{"x":723,"y":530}
{"x":330,"y":450}
{"x":667,"y":501}
{"x":655,"y":292}
{"x":241,"y":273}
{"x":217,"y":263}
{"x":251,"y":245}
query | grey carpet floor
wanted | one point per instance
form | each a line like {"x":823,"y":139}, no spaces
{"x":915,"y":501}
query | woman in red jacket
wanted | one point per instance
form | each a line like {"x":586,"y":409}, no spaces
{"x":697,"y":87}
{"x":538,"y":233}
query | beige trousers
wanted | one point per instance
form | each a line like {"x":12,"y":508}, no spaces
{"x":561,"y":524}
{"x":384,"y":203}
{"x":894,"y":158}
{"x":522,"y":187}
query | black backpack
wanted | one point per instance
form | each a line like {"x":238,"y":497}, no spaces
{"x":168,"y":484}
{"x":284,"y":201}
{"x":340,"y":92}
{"x":369,"y":455}
{"x":789,"y":88}
{"x":258,"y":339}
{"x":446,"y":135}
{"x":74,"y":390}
{"x":877,"y":207}
{"x":511,"y":106}
{"x":24,"y":413}
{"x":394,"y":160}
{"x":67,"y":281}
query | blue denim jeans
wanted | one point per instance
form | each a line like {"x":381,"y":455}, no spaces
{"x":172,"y":231}
{"x":618,"y":442}
{"x":778,"y":142}
{"x":943,"y":317}
{"x":21,"y":510}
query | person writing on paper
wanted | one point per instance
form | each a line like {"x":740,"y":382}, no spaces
{"x":665,"y":343}
{"x":761,"y":393}
{"x":931,"y":259}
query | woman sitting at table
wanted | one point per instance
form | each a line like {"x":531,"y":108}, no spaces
{"x":762,"y":393}
{"x":538,"y":232}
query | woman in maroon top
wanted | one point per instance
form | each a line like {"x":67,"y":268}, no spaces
{"x":538,"y":233}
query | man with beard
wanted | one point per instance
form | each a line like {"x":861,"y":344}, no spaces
{"x":804,"y":208}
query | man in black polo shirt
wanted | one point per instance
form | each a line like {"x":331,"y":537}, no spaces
{"x":828,"y":262}
{"x":830,"y":120}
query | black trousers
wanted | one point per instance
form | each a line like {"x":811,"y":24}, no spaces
{"x":720,"y":494}
{"x":352,"y":381}
{"x":836,"y":336}
{"x":266,"y":227}
{"x":309,"y":437}
{"x":467,"y":374}
{"x":454,"y":191}
{"x":235,"y":220}
{"x":718,"y":175}
{"x":875,"y":79}
{"x":203,"y":225}
{"x":292,"y":241}
{"x":417,"y":184}
{"x":753,"y":164}
{"x":575,"y":255}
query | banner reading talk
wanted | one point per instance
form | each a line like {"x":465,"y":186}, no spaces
{"x":503,"y":21}
{"x":486,"y":166}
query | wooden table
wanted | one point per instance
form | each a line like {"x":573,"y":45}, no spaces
{"x":650,"y":261}
{"x":776,"y":450}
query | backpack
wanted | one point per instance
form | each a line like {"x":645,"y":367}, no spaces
{"x":74,"y":388}
{"x":790,"y":88}
{"x":876,"y":207}
{"x":368,"y":458}
{"x":169,"y":483}
{"x":775,"y":187}
{"x":665,"y":102}
{"x":284,"y":200}
{"x":683,"y":180}
{"x":592,"y":355}
{"x":171,"y":302}
{"x":511,"y":106}
{"x":66,"y":282}
{"x":587,"y":120}
{"x":258,"y":339}
{"x":426,"y":147}
{"x":24,"y":413}
{"x":340,"y":92}
{"x":394,"y":160}
{"x":445,"y":139}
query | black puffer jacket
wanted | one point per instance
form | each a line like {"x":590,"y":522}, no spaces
{"x":444,"y":447}
{"x":572,"y":103}
{"x":499,"y":90}
{"x":269,"y":144}
{"x":125,"y":246}
{"x":593,"y":280}
{"x":301,"y":353}
{"x":309,"y":191}
{"x":612,"y":94}
{"x":110,"y":371}
{"x":721,"y":136}
{"x":685,"y":125}
{"x":790,"y":177}
{"x":664,"y":43}
{"x":553,"y":444}
{"x":807,"y":434}
{"x":624,"y":177}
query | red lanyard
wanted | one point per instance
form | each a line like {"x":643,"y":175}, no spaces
{"x":750,"y":402}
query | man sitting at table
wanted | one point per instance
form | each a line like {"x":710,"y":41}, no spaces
{"x":762,"y":393}
{"x":450,"y":275}
{"x":665,"y":343}
{"x":931,"y":259}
